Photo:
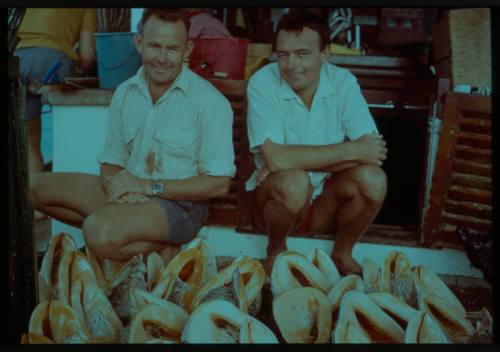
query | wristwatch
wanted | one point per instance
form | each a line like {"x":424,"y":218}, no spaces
{"x":158,"y":188}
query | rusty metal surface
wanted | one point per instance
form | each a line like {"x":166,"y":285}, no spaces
{"x":21,"y":251}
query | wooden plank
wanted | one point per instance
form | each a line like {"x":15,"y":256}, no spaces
{"x":473,"y":125}
{"x":470,"y":153}
{"x":230,"y":87}
{"x":481,"y":211}
{"x":467,"y":221}
{"x":380,"y":96}
{"x":471,"y":103}
{"x":381,"y":83}
{"x":466,"y":194}
{"x":373,"y":72}
{"x":475,"y":140}
{"x":432,"y":218}
{"x":472,"y":168}
{"x":473,"y":181}
{"x":372,"y":60}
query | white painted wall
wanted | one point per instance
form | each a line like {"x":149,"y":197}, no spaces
{"x":135,"y":17}
{"x":78,"y":133}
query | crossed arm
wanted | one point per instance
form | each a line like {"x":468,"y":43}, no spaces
{"x":121,"y":186}
{"x":368,"y":149}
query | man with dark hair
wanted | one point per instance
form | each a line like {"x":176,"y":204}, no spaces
{"x":168,"y":149}
{"x":317,"y":152}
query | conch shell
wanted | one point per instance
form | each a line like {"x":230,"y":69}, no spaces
{"x":427,"y":281}
{"x":94,"y":311}
{"x":294,"y":270}
{"x":181,"y":278}
{"x":397,"y":309}
{"x":73,"y":266}
{"x":105,"y":269}
{"x":158,"y":322}
{"x":208,"y":255}
{"x":326,"y":265}
{"x":139,"y":298}
{"x":48,"y":277}
{"x":347,"y":283}
{"x":398,"y":277}
{"x":131,"y":275}
{"x":371,"y":276}
{"x":365,"y":315}
{"x":154,"y":267}
{"x":455,"y":325}
{"x":219,"y":321}
{"x":30,"y":338}
{"x":57,"y":322}
{"x":303,"y":315}
{"x":347,"y":332}
{"x":240,"y":283}
{"x":423,"y":329}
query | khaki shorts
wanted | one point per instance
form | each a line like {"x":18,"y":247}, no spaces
{"x":184,"y":219}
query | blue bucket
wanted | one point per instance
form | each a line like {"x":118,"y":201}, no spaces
{"x":117,"y":58}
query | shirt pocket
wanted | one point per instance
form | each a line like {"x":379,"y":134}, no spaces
{"x":129,"y":133}
{"x":177,"y":142}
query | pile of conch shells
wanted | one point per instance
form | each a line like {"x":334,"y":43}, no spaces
{"x":83,"y":299}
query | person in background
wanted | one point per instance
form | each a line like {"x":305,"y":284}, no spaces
{"x":204,"y":25}
{"x":48,"y":36}
{"x":168,"y":149}
{"x":317,"y":152}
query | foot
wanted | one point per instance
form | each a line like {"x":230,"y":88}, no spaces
{"x":347,"y":265}
{"x":269,"y":261}
{"x":39,"y":216}
{"x":169,"y":252}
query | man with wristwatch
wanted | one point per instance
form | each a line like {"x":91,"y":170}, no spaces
{"x":168,"y":149}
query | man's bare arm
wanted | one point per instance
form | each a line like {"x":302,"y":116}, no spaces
{"x":196,"y":188}
{"x":86,"y":53}
{"x":107,"y":170}
{"x":333,"y":157}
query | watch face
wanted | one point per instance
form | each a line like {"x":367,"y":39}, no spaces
{"x":158,"y":188}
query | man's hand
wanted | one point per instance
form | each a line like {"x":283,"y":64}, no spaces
{"x":122,"y":183}
{"x":132,"y":198}
{"x":370,"y":149}
{"x":262,"y":174}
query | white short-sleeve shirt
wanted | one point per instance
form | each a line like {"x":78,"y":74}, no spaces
{"x":338,"y":111}
{"x":187,"y":132}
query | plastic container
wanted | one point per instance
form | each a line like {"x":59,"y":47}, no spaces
{"x":117,"y":58}
{"x":220,"y":58}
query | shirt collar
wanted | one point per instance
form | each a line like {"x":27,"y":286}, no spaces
{"x":325,"y":87}
{"x":181,"y":81}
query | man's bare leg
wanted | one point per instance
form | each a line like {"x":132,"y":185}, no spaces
{"x":120,"y":231}
{"x":349,"y":203}
{"x":169,"y":252}
{"x":284,"y":198}
{"x":67,"y":197}
{"x":35,"y":160}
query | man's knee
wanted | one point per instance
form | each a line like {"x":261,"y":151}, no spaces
{"x":37,"y":189}
{"x":292,"y":188}
{"x":97,"y":232}
{"x":372,"y":182}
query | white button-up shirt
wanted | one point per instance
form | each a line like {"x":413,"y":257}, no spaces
{"x":187,"y":132}
{"x":275,"y":111}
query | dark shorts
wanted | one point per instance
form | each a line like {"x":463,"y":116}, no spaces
{"x":34,"y":64}
{"x":184,"y":219}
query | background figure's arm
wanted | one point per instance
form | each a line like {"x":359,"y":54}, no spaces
{"x":86,"y":53}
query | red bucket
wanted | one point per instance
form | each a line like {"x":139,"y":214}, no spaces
{"x":221,"y":58}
